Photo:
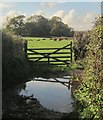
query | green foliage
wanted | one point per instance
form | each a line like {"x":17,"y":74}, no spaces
{"x":16,"y":25}
{"x":99,"y":21}
{"x":81,"y":40}
{"x":77,"y":65}
{"x":58,"y":28}
{"x":38,"y":26}
{"x":90,"y":92}
{"x":14,"y":66}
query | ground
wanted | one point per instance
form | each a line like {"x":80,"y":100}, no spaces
{"x":28,"y":108}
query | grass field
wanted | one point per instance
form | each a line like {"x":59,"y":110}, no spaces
{"x":34,"y":42}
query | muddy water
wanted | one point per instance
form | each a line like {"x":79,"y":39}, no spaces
{"x":52,"y":95}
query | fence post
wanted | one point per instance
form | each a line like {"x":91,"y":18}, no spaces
{"x":73,"y":71}
{"x":48,"y":59}
{"x":71,"y":51}
{"x":25,"y":48}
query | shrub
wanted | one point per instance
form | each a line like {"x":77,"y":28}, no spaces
{"x":90,"y":93}
{"x":81,"y":40}
{"x":14,"y":64}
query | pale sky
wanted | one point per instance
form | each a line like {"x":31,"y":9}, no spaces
{"x":52,"y":0}
{"x":79,"y":15}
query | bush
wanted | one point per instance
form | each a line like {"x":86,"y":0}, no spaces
{"x":15,"y":67}
{"x":81,"y":40}
{"x":90,"y":93}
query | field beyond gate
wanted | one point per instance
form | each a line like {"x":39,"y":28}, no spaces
{"x":47,"y":51}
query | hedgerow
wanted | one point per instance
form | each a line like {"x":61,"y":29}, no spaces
{"x":89,"y":95}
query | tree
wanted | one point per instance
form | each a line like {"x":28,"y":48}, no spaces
{"x":38,"y":25}
{"x":30,"y":29}
{"x":16,"y":25}
{"x":58,"y":28}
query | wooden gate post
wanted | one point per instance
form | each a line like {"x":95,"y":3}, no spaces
{"x":73,"y":71}
{"x":48,"y":59}
{"x":25,"y":48}
{"x":71,"y":51}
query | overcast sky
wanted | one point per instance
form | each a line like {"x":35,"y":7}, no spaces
{"x":79,"y":15}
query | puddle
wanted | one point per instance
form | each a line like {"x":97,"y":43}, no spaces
{"x":52,"y":95}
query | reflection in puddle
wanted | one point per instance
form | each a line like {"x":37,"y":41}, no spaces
{"x":54,"y":96}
